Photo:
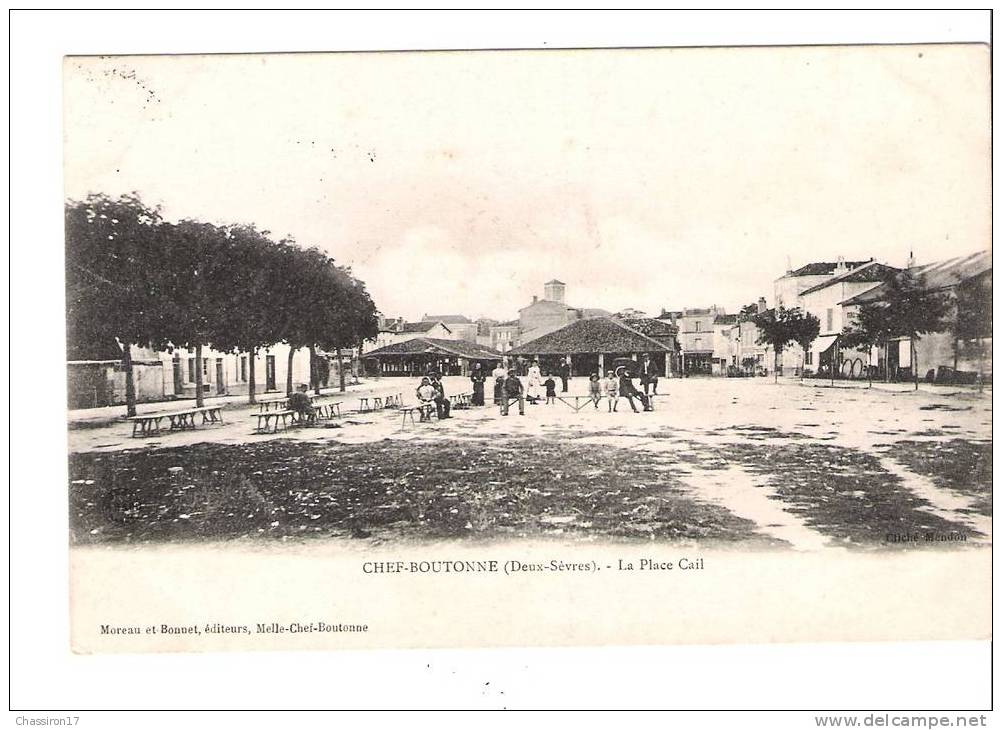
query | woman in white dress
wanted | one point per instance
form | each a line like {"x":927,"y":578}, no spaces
{"x":535,"y":380}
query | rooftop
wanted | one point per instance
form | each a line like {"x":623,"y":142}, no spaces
{"x":436,"y":346}
{"x":586,"y":336}
{"x":823,"y":268}
{"x":447,"y":318}
{"x":869,"y":271}
{"x":938,"y":275}
{"x":409,"y":327}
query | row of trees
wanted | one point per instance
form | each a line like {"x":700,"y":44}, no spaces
{"x":907,"y":309}
{"x":134,"y":277}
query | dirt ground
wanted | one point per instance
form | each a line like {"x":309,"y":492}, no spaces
{"x":776,"y":466}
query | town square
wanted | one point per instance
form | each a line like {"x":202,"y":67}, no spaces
{"x":369,"y":334}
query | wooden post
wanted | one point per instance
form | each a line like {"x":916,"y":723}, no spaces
{"x":601,"y":364}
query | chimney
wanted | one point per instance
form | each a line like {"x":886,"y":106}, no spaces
{"x":840,"y":266}
{"x":911,"y":260}
{"x":762,"y":305}
{"x":534,"y":299}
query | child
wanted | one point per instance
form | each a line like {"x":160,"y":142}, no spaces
{"x":595,"y":389}
{"x":551,"y":390}
{"x":612,"y":390}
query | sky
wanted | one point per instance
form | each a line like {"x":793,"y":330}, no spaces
{"x":460,"y":182}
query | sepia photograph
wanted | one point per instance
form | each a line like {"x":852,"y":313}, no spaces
{"x":501,"y":360}
{"x":537,"y":322}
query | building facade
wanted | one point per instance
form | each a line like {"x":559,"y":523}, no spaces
{"x":551,"y":313}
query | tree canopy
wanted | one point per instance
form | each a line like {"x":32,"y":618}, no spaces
{"x":134,"y":278}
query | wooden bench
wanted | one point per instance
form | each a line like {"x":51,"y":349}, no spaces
{"x":149,"y":423}
{"x":328,"y":410}
{"x":269,"y":420}
{"x":461,"y":400}
{"x":278,"y":404}
{"x":424,"y":411}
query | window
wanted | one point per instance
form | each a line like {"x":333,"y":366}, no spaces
{"x":205,"y":367}
{"x":243,"y":368}
{"x":699,"y":326}
{"x":191,"y":370}
{"x":809,"y":358}
{"x":698,"y":342}
{"x":829,"y":318}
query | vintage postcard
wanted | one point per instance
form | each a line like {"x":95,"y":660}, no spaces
{"x":522,"y":348}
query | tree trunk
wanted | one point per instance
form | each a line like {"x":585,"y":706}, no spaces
{"x":869,"y":366}
{"x":803,"y":365}
{"x":981,"y":365}
{"x":314,"y":370}
{"x":887,"y":361}
{"x":956,"y":357}
{"x":252,"y":381}
{"x":199,"y":396}
{"x":775,"y":365}
{"x":340,"y":369}
{"x":914,"y":354}
{"x":130,"y":382}
{"x":288,"y":371}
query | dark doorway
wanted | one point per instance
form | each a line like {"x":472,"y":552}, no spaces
{"x":220,"y":382}
{"x":269,"y":372}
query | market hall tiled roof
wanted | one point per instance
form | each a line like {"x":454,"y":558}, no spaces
{"x":436,"y":346}
{"x":588,"y":336}
{"x":650,"y":327}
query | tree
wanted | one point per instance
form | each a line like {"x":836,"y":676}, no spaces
{"x":913,"y":310}
{"x":907,"y":309}
{"x":775,"y":331}
{"x":243,"y":321}
{"x":804,"y":329}
{"x":201,"y":260}
{"x":971,"y":318}
{"x":114,"y":279}
{"x":867,"y":328}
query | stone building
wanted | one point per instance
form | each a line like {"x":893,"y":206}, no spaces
{"x":551,"y":313}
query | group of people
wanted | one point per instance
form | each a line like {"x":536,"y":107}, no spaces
{"x":614,"y":388}
{"x":432,"y":390}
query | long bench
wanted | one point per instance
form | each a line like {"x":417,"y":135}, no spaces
{"x":269,"y":420}
{"x":148,"y":424}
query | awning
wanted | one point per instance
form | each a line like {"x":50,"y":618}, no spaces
{"x":824,"y":343}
